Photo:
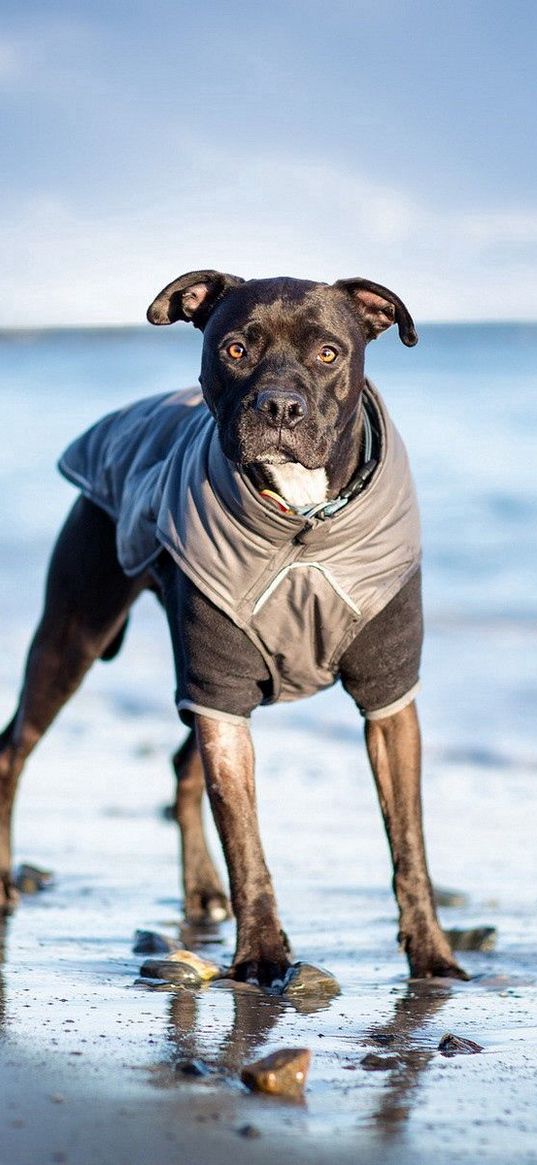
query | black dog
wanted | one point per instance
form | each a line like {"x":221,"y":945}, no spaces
{"x":276,"y":521}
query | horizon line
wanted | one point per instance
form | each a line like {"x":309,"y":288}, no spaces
{"x":519,"y":321}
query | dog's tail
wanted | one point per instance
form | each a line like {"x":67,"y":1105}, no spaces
{"x":114,"y":647}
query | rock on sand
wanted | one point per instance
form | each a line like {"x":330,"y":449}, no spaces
{"x":281,"y":1074}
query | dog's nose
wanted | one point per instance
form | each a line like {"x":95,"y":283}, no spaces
{"x":281,"y":407}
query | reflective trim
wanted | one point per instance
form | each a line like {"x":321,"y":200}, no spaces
{"x":305,"y":566}
{"x":397,"y":706}
{"x":212,"y":713}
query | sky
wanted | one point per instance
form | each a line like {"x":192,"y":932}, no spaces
{"x":392,"y":139}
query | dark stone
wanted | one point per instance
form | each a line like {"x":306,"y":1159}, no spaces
{"x":477,"y":938}
{"x":374,"y":1063}
{"x":451,"y":1045}
{"x":149,"y":942}
{"x":170,"y":972}
{"x":31,"y":880}
{"x":305,"y":979}
{"x":249,"y":1131}
{"x":281,"y":1074}
{"x":194,"y":1068}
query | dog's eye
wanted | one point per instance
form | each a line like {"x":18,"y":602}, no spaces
{"x":236,"y":351}
{"x":327,"y":355}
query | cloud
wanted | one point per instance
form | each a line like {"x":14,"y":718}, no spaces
{"x":68,"y":262}
{"x":10,"y":64}
{"x":46,"y":57}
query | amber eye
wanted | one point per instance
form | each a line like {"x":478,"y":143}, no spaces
{"x":236,"y":351}
{"x":327,"y":354}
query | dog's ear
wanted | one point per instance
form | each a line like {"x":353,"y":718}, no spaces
{"x":379,"y":308}
{"x":191,"y":297}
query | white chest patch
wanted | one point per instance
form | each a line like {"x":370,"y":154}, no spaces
{"x":298,"y":485}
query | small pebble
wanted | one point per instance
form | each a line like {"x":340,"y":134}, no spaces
{"x":281,"y":1074}
{"x":203,"y":968}
{"x":149,"y":942}
{"x":451,"y":1045}
{"x":30,"y":879}
{"x":171,"y":972}
{"x":192,"y":1068}
{"x":305,"y":979}
{"x":374,"y":1063}
{"x":249,"y":1131}
{"x":477,"y":938}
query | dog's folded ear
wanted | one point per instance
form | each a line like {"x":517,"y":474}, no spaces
{"x":378,"y":308}
{"x":191,"y":297}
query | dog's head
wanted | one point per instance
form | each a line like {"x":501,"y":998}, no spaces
{"x":283,"y":359}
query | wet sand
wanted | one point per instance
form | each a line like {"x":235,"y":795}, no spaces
{"x":91,"y":1065}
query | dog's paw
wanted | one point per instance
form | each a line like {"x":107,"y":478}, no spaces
{"x":429,"y":955}
{"x":262,"y":972}
{"x":206,"y":907}
{"x":436,"y":967}
{"x":449,"y":970}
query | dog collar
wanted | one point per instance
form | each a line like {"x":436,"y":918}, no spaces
{"x":326,"y":509}
{"x":277,"y":500}
{"x":355,"y":487}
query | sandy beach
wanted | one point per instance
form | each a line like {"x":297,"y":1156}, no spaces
{"x":92,"y":1066}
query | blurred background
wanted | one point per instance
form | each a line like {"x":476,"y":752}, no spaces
{"x":319,"y":140}
{"x":387,"y":140}
{"x":391,"y":141}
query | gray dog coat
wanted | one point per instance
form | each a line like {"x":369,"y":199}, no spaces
{"x":301,"y":589}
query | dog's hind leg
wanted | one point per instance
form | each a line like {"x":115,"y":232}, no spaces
{"x":87,"y":600}
{"x":9,"y":774}
{"x":205,"y":900}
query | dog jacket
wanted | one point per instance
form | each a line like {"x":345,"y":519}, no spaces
{"x":300,"y":588}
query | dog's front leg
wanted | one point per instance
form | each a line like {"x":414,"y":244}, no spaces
{"x":394,"y":749}
{"x":262,"y":949}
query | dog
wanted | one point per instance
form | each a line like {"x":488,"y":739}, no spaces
{"x":273,"y":514}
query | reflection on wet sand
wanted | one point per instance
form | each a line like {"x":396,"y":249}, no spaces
{"x":403,"y":1039}
{"x":255,"y":1016}
{"x":200,"y":1046}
